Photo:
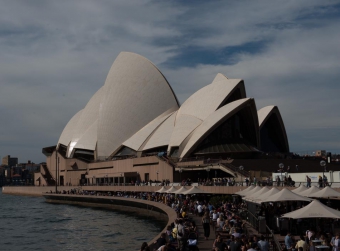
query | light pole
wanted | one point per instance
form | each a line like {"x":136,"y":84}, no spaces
{"x":241,"y":170}
{"x":107,"y":180}
{"x":180,"y":175}
{"x":121,"y":175}
{"x":281,"y":165}
{"x":157,"y":175}
{"x":323,"y":164}
{"x":56,"y":170}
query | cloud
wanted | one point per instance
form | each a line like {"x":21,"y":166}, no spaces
{"x":56,"y":55}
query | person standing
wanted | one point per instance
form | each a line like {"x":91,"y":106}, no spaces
{"x":180,"y":234}
{"x":206,"y":225}
{"x":289,"y":241}
{"x":335,"y":242}
{"x":264,"y":245}
{"x":235,"y":245}
{"x":301,"y":244}
{"x":309,"y":181}
{"x":200,"y":209}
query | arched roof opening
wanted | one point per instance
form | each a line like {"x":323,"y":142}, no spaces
{"x":273,"y":135}
{"x":232,"y":128}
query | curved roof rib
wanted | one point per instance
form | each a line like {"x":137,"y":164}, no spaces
{"x":136,"y":141}
{"x":273,"y":129}
{"x":135,"y":94}
{"x":203,"y":103}
{"x":88,"y":141}
{"x":66,"y":135}
{"x":216,"y":119}
{"x":161,"y":136}
{"x":87,"y":119}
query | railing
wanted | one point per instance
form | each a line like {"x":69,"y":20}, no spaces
{"x":235,"y":169}
{"x":254,"y":222}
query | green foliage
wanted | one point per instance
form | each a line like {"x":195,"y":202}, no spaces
{"x":216,"y":200}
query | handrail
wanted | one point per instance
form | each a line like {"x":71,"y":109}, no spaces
{"x":255,"y":224}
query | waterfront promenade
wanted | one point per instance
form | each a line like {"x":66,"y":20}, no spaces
{"x":39,"y":190}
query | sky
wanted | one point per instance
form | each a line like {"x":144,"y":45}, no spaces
{"x":54,"y":55}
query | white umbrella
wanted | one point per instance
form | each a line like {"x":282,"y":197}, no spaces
{"x":245,"y":190}
{"x":162,"y":190}
{"x":252,"y":191}
{"x":300,"y":189}
{"x":194,"y":190}
{"x":285,"y":195}
{"x":171,"y":190}
{"x":315,"y":209}
{"x":255,"y":195}
{"x":309,"y":191}
{"x":325,"y":193}
{"x":271,"y":192}
{"x":181,"y":190}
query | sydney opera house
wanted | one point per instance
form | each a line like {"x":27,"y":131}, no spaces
{"x":133,"y":128}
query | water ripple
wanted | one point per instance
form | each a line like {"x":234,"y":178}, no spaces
{"x":29,"y":223}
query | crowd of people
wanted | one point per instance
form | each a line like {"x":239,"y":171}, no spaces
{"x":311,"y":240}
{"x":218,"y":217}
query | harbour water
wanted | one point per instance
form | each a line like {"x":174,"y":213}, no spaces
{"x":29,"y":223}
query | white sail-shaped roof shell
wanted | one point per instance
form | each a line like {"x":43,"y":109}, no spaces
{"x":135,"y":93}
{"x":69,"y":129}
{"x":213,"y":121}
{"x":162,"y":134}
{"x":85,"y":135}
{"x":89,"y":140}
{"x":136,"y":141}
{"x":201,"y":104}
{"x":137,"y":108}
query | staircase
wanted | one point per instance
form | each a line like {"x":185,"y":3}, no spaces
{"x":235,"y":169}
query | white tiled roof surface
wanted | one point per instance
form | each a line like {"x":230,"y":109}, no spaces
{"x":135,"y":94}
{"x":201,"y":104}
{"x":161,"y":136}
{"x":221,"y":114}
{"x":263,"y":113}
{"x":88,"y":120}
{"x":68,"y":131}
{"x":136,"y":141}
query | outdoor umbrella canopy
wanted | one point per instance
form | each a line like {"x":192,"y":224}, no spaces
{"x":325,"y":193}
{"x":309,"y":191}
{"x":271,"y":192}
{"x":315,"y":209}
{"x":162,"y":190}
{"x":300,"y":189}
{"x":256,"y":194}
{"x":285,"y":195}
{"x":245,"y":190}
{"x":181,"y":190}
{"x":194,"y":190}
{"x":252,"y":191}
{"x":171,"y":190}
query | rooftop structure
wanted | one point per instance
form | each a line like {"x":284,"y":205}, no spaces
{"x":136,"y":113}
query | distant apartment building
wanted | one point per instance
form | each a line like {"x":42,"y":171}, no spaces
{"x":9,"y":161}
